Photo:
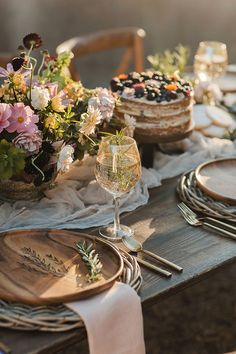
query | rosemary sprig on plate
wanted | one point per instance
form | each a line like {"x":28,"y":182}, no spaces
{"x":90,"y":258}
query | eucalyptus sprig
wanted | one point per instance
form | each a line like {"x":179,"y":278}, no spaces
{"x":91,"y":260}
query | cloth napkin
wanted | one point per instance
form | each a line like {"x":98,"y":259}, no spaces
{"x":113,"y":320}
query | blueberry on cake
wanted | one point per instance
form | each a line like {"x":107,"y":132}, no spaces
{"x":161,"y":104}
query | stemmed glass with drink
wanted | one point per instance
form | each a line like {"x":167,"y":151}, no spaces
{"x":118,"y":169}
{"x":210,"y":61}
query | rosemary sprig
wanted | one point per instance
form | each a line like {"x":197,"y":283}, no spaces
{"x":91,"y":260}
{"x":117,"y":138}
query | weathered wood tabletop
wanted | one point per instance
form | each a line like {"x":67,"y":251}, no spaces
{"x":199,"y":251}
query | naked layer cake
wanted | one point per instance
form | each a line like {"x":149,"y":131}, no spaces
{"x":161,"y":104}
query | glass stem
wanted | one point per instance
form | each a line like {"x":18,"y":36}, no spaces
{"x":117,"y":215}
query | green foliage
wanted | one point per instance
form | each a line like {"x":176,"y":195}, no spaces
{"x":169,"y":62}
{"x":57,"y":69}
{"x":12,"y":160}
{"x":91,"y":260}
{"x":117,"y":138}
{"x":230,"y":134}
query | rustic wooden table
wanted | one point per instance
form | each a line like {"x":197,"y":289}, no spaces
{"x":199,"y":251}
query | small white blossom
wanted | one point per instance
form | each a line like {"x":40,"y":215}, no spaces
{"x":153,"y":83}
{"x":130,"y":123}
{"x":65,"y":158}
{"x":39,"y":97}
{"x":128,"y":92}
{"x":207,"y":88}
{"x":89,"y":120}
{"x":105,"y":102}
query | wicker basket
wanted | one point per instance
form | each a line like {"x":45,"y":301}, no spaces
{"x":196,"y":199}
{"x":59,"y":318}
{"x":12,"y":191}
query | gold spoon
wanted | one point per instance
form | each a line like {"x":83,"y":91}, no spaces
{"x":135,"y":246}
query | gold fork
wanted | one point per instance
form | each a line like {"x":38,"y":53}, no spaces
{"x":196,"y":222}
{"x":189,"y":211}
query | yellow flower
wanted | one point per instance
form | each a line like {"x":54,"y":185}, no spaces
{"x":74,"y":90}
{"x":57,"y":105}
{"x":2,"y":91}
{"x":18,"y":80}
{"x":51,"y":122}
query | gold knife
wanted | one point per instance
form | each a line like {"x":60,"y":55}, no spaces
{"x":153,"y":267}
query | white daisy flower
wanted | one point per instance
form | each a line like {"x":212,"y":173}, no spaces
{"x":90,"y":120}
{"x":130,"y":123}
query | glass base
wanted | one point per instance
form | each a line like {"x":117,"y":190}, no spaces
{"x":108,"y":232}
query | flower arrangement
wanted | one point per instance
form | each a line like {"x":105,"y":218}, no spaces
{"x":46,"y":119}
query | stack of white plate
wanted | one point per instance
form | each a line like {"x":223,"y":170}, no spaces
{"x":212,"y":121}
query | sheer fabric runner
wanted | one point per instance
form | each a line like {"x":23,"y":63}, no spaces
{"x":79,"y":202}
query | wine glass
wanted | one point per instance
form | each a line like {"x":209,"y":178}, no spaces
{"x":210,"y":61}
{"x":118,"y":169}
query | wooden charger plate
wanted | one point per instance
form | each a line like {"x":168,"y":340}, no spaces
{"x":217,"y":179}
{"x":42,"y":266}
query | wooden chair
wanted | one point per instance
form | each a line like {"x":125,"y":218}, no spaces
{"x":5,"y":58}
{"x":130,"y":38}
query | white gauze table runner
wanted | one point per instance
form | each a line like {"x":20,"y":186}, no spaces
{"x":79,"y":202}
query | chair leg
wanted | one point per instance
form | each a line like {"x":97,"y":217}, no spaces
{"x":124,"y":62}
{"x":138,"y":54}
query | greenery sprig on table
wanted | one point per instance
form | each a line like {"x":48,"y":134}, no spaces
{"x":170,"y":62}
{"x":91,"y":260}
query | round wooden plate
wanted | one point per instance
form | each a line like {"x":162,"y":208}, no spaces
{"x":42,"y":266}
{"x":217,"y":179}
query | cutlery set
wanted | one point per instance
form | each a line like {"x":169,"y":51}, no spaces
{"x":225,"y":228}
{"x":222,"y":227}
{"x":135,"y":246}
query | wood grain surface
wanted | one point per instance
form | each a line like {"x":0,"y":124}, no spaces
{"x":43,"y":266}
{"x":199,"y":251}
{"x":217,"y":179}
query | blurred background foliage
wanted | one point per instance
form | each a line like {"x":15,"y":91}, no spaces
{"x":166,"y":22}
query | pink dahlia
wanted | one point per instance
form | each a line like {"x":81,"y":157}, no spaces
{"x":5,"y":112}
{"x":105,"y":102}
{"x":22,"y":119}
{"x":30,"y":142}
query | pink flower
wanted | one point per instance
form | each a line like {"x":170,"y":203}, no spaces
{"x":30,"y":142}
{"x":6,"y":72}
{"x":22,"y":119}
{"x":52,"y":88}
{"x":9,"y":71}
{"x":105,"y":102}
{"x":5,"y":112}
